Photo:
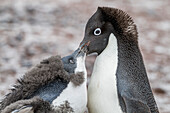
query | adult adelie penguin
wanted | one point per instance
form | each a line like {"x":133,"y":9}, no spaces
{"x":119,"y":80}
{"x":54,"y":86}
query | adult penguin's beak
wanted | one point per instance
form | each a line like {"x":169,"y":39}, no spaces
{"x":84,"y":47}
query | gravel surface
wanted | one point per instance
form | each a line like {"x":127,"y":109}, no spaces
{"x":31,"y":30}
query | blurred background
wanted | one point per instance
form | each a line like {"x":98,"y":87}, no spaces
{"x":32,"y":30}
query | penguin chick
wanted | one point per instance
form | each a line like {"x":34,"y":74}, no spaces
{"x":59,"y":83}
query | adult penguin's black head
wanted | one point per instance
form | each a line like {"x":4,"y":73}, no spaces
{"x":104,"y":22}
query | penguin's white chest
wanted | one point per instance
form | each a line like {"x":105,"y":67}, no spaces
{"x":102,"y":90}
{"x":75,"y":95}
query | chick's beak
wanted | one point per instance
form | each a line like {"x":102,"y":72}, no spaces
{"x":80,"y":52}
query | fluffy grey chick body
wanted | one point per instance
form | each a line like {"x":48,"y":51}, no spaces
{"x":58,"y":85}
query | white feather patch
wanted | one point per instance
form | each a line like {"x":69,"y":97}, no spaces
{"x":102,"y":90}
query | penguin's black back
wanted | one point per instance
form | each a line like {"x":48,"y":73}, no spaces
{"x":51,"y":91}
{"x":132,"y":81}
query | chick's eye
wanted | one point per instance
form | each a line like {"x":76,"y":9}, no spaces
{"x":71,"y":61}
{"x":97,"y":31}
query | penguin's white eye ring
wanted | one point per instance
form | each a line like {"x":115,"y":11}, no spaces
{"x":71,"y":61}
{"x":97,"y":31}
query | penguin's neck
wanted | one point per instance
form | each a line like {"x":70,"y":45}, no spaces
{"x":103,"y":84}
{"x":106,"y":63}
{"x":81,"y":67}
{"x":72,"y":93}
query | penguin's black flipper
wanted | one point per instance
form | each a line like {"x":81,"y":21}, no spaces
{"x":122,"y":103}
{"x":51,"y":91}
{"x":135,"y":106}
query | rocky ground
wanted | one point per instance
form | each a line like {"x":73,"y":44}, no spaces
{"x":31,"y":30}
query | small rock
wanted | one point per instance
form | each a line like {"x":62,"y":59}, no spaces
{"x":159,"y":91}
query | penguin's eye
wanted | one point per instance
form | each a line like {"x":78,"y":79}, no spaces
{"x":71,"y":61}
{"x":97,"y":31}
